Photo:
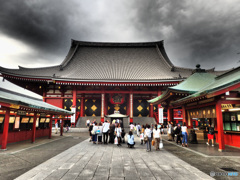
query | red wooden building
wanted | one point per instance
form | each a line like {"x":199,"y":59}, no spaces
{"x":98,"y":78}
{"x":23,"y":117}
{"x":208,"y":99}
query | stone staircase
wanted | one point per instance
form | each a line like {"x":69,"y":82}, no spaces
{"x":144,"y":120}
{"x":141,"y":120}
{"x":82,"y":121}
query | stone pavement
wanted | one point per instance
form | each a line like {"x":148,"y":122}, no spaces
{"x":92,"y":161}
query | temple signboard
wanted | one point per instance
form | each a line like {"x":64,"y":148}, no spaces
{"x":226,"y":106}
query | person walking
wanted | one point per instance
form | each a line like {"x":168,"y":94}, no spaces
{"x":99,"y":135}
{"x":157,"y":136}
{"x":184,"y":135}
{"x":106,"y":125}
{"x":131,"y":127}
{"x":148,"y":134}
{"x":87,"y":123}
{"x":118,"y":132}
{"x":111,"y":133}
{"x":123,"y":135}
{"x":56,"y":127}
{"x":172,"y":134}
{"x":178,"y":133}
{"x":169,"y":131}
{"x":210,"y":131}
{"x":138,"y":129}
{"x":90,"y":131}
{"x":94,"y":135}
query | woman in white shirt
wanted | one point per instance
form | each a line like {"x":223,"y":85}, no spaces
{"x":131,"y":142}
{"x":94,"y":135}
{"x":148,"y":133}
{"x":184,"y":135}
{"x":157,"y":136}
{"x":118,"y":132}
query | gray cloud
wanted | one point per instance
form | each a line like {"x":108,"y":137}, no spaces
{"x":193,"y":31}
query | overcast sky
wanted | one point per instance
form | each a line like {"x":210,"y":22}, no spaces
{"x":36,"y":33}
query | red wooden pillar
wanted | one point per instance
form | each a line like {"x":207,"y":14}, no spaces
{"x":169,"y":114}
{"x":184,"y":114}
{"x":5,"y":129}
{"x":131,"y":107}
{"x":220,"y":127}
{"x":159,"y":106}
{"x":128,"y":107}
{"x":191,"y":123}
{"x":50,"y":128}
{"x":44,"y":95}
{"x":102,"y":106}
{"x":74,"y":105}
{"x":34,"y":127}
{"x":105,"y":107}
{"x":150,"y":108}
{"x":61,"y":129}
{"x":82,"y":108}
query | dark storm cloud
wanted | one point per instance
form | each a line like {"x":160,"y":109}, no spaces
{"x":193,"y":31}
{"x":44,"y":25}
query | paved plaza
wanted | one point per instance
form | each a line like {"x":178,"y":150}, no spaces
{"x":92,"y":161}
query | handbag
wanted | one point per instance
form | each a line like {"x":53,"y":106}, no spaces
{"x":141,"y":136}
{"x":146,"y":139}
{"x":161,"y":145}
{"x":153,"y":142}
{"x":93,"y":132}
{"x":116,"y":140}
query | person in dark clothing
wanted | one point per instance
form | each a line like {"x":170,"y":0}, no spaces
{"x":111,"y":133}
{"x":90,"y":129}
{"x":172,"y":134}
{"x":210,"y":131}
{"x":178,"y":133}
{"x":123,"y":136}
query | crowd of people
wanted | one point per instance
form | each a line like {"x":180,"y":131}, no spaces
{"x":178,"y":131}
{"x":106,"y":132}
{"x":150,"y":135}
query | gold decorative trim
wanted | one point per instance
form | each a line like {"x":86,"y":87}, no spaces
{"x":139,"y":108}
{"x":94,"y":108}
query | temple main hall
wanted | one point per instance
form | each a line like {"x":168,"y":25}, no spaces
{"x":97,"y":79}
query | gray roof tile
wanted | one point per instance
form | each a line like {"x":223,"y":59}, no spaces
{"x":110,"y":61}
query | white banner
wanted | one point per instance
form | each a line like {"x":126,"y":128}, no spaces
{"x":73,"y":117}
{"x":160,"y":115}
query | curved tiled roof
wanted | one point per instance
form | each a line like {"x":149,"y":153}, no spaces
{"x":92,"y":61}
{"x":16,"y":98}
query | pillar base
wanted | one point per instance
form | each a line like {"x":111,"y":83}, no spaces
{"x":131,"y":120}
{"x":221,"y":150}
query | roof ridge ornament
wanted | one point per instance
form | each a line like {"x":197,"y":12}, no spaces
{"x":198,"y":69}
